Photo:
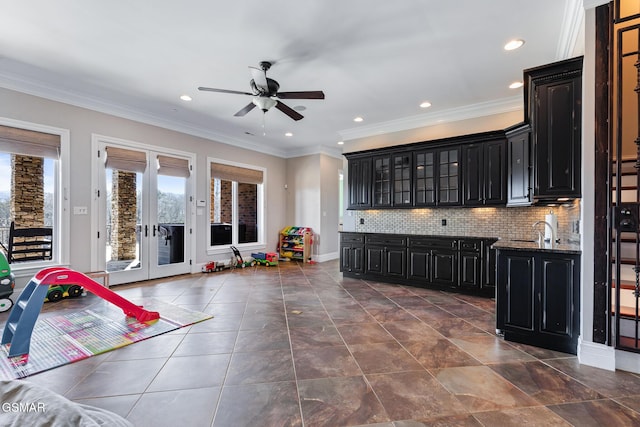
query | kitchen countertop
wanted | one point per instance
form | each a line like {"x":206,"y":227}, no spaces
{"x":529,"y":246}
{"x":435,"y":236}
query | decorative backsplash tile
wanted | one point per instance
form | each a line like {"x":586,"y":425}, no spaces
{"x":501,"y":222}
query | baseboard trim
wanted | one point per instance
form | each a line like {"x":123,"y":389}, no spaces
{"x":596,"y":355}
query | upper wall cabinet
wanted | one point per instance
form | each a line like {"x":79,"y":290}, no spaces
{"x":553,"y":107}
{"x":518,"y":166}
{"x":429,"y":173}
{"x":359,"y":183}
{"x":485,"y":176}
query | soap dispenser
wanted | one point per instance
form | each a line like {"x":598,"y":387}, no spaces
{"x":551,"y":227}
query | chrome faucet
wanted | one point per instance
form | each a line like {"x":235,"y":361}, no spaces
{"x":541,"y":239}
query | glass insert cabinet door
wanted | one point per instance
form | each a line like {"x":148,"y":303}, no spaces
{"x":425,"y":178}
{"x":382,"y":181}
{"x":449,"y":177}
{"x":402,"y":180}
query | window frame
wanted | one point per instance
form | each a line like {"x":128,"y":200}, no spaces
{"x":62,"y":217}
{"x":261,"y":220}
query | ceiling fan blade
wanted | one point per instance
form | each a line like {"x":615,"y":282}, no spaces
{"x":289,"y":111}
{"x":250,"y":106}
{"x":237,"y":92}
{"x":260,"y":78}
{"x":313,"y":94}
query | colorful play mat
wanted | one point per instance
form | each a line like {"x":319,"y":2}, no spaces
{"x":69,"y":337}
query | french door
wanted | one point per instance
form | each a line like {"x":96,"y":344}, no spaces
{"x":143,"y":199}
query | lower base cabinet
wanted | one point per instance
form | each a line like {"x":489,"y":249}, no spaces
{"x":538,"y":298}
{"x":457,"y":264}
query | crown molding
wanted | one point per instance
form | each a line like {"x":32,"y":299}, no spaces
{"x":572,"y":25}
{"x":590,"y":4}
{"x":483,"y":109}
{"x":94,"y":104}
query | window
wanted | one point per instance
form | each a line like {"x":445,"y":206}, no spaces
{"x":31,"y":182}
{"x":236,"y":215}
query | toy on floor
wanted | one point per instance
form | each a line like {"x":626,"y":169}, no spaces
{"x":19,"y":326}
{"x":268,"y":258}
{"x":212,"y":266}
{"x":57,"y":292}
{"x":7,"y":284}
{"x":239,"y":261}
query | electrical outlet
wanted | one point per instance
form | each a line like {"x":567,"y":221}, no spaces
{"x":444,"y":222}
{"x":361,"y":220}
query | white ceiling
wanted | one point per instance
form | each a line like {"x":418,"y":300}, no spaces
{"x":372,"y":58}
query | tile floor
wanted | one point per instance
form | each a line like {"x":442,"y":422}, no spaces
{"x":298,"y":345}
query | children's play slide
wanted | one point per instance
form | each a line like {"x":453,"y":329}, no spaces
{"x":23,"y":316}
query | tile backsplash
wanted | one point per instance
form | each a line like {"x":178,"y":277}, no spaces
{"x":502,"y":222}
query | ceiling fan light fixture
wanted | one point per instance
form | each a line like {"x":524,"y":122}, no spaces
{"x":264,"y":103}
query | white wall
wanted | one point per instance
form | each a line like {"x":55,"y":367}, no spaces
{"x":82,"y":123}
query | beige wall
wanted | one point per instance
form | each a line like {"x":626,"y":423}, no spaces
{"x":312,"y":196}
{"x":82,"y":123}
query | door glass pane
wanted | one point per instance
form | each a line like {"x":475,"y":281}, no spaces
{"x":171,"y":219}
{"x":124,"y":216}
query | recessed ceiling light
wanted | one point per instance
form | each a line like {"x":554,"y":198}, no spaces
{"x":340,"y":142}
{"x":515,"y":85}
{"x":185,"y":97}
{"x":358,"y":119}
{"x":513,"y":44}
{"x":288,"y":134}
{"x":425,"y":104}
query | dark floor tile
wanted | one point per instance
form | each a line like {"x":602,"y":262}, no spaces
{"x":608,"y":383}
{"x":194,"y":372}
{"x":325,"y":362}
{"x":339,"y":402}
{"x":412,"y":330}
{"x":262,"y":339}
{"x":410,"y":301}
{"x":414,"y":396}
{"x":349,"y":316}
{"x":384,"y":357}
{"x":490,"y":349}
{"x":298,"y":318}
{"x":364,"y":333}
{"x":456,"y":327}
{"x":264,"y":321}
{"x":597,"y":413}
{"x":517,"y":417}
{"x":117,"y":378}
{"x":462,"y":309}
{"x":320,"y":336}
{"x":220,"y":323}
{"x":449,"y":421}
{"x":120,"y":405}
{"x":192,"y":407}
{"x":632,"y":402}
{"x":251,"y":405}
{"x":390,"y":314}
{"x":195,"y":344}
{"x":430,"y":314}
{"x":439,"y":353}
{"x":478,"y":388}
{"x":544,"y":383}
{"x":260,"y":367}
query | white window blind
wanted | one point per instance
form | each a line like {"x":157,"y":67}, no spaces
{"x":236,"y":173}
{"x":125,"y":160}
{"x":29,"y":143}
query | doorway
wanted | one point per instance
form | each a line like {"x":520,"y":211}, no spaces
{"x":143,"y":199}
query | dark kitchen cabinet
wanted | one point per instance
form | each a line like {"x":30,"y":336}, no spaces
{"x":424,"y":181}
{"x":359,"y":183}
{"x":538,"y":298}
{"x":381,"y":181}
{"x":385,"y":255}
{"x":352,"y":253}
{"x":553,"y":108}
{"x":433,"y":260}
{"x":460,"y":264}
{"x":485,"y":176}
{"x":519,"y":166}
{"x":402,"y":179}
{"x":437,"y":177}
{"x":470,"y":263}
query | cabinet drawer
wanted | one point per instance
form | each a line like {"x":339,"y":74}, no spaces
{"x":351,"y":238}
{"x":470,"y":245}
{"x":431,"y":243}
{"x":386,"y":240}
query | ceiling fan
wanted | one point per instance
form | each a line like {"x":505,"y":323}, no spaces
{"x":265,"y":93}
